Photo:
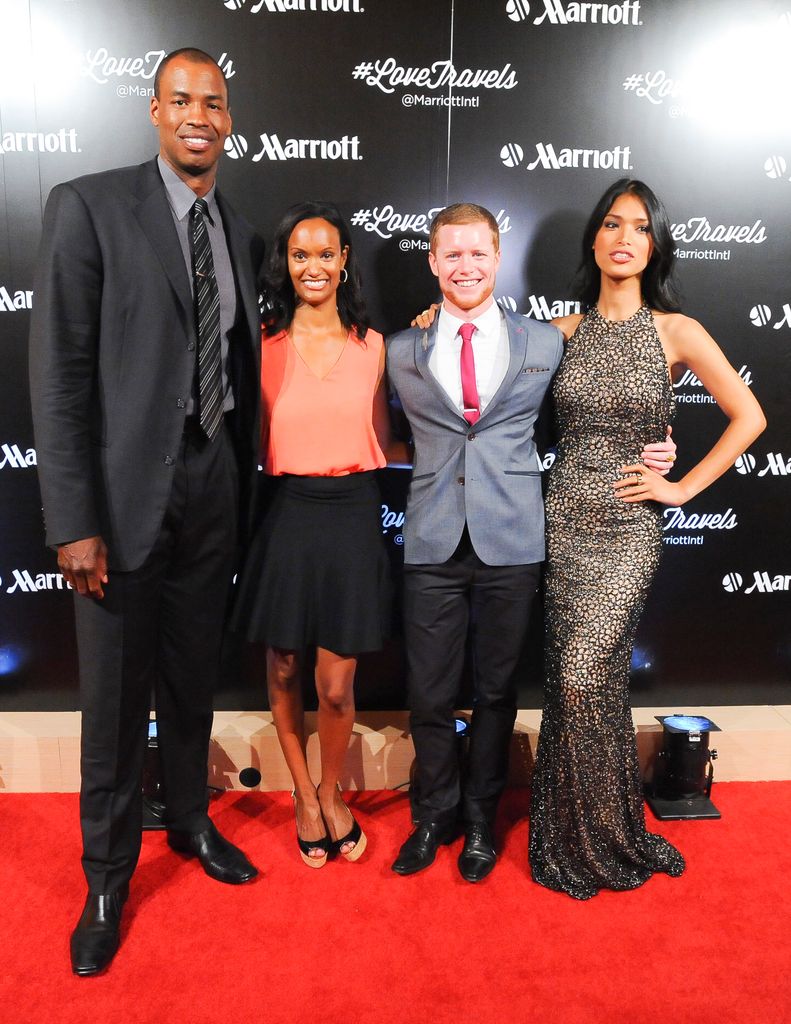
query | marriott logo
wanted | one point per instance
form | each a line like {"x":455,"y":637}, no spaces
{"x":777,"y":464}
{"x":10,"y":302}
{"x":763,"y":583}
{"x":24,"y":582}
{"x":541,"y":309}
{"x":555,"y":12}
{"x":345,"y":148}
{"x":13,"y":457}
{"x":290,"y":6}
{"x":551,"y":159}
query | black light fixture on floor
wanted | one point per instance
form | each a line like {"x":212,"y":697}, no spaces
{"x":153,"y":793}
{"x":463,"y":729}
{"x":154,"y":809}
{"x":683,"y":771}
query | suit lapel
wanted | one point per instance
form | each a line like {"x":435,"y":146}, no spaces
{"x":517,"y":347}
{"x":246,"y":285}
{"x":424,"y":344}
{"x":156,"y":219}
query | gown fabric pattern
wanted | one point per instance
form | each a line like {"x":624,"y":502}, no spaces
{"x":587,"y":824}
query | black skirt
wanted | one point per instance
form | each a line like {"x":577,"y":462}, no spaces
{"x":317,"y":573}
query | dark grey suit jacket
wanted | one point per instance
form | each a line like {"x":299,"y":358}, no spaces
{"x":112,"y":357}
{"x":487,"y":475}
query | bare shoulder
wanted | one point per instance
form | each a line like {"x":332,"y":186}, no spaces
{"x":677,"y":327}
{"x":372,"y":337}
{"x":567,"y":325}
{"x":686,"y":341}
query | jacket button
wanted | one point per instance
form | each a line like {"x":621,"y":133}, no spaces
{"x":471,"y":435}
{"x":180,"y":403}
{"x":191,"y":346}
{"x":460,"y":481}
{"x":168,"y":460}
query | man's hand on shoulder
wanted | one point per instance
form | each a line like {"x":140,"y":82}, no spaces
{"x":425,"y":319}
{"x":567,"y":325}
{"x":84,"y":565}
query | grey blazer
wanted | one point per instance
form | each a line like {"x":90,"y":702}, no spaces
{"x":112,"y":357}
{"x":486,"y":475}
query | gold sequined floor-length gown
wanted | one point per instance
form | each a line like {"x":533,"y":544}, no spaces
{"x":587,"y":825}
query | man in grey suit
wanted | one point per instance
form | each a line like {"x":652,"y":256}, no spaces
{"x":144,"y":365}
{"x":471,"y":388}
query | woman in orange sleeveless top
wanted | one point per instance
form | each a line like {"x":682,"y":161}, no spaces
{"x":317,"y":573}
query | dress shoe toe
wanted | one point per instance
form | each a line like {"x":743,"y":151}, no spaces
{"x":478,"y":857}
{"x":421,"y":848}
{"x":94,"y":942}
{"x":218,"y":858}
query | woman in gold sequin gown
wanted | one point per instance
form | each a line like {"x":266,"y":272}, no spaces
{"x":613,"y":395}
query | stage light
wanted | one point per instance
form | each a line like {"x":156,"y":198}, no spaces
{"x":153,"y":792}
{"x":739,"y":81}
{"x":11,"y":660}
{"x":154,"y":808}
{"x":683,"y":770}
{"x":42,"y":59}
{"x":641,"y":660}
{"x":250,"y":777}
{"x":463,"y":729}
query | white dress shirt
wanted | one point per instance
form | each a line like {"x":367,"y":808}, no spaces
{"x":490,"y":351}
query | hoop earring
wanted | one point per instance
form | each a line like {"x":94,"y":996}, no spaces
{"x":344,"y":275}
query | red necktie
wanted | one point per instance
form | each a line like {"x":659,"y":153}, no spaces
{"x":469,"y":387}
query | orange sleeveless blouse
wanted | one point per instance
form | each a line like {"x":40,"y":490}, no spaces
{"x":319,"y":426}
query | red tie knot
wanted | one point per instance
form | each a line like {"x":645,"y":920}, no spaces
{"x":466,"y":331}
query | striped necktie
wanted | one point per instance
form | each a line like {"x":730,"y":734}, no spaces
{"x":207,"y":319}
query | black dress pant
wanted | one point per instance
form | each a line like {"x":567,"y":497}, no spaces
{"x":441,"y":603}
{"x":158,"y":628}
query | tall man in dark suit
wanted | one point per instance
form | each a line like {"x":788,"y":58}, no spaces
{"x":144,"y":378}
{"x":471,"y":387}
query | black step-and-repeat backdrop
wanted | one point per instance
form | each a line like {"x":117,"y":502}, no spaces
{"x":394,"y":109}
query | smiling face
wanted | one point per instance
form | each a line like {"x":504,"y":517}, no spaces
{"x":623,"y":245}
{"x":315,"y":261}
{"x":465,"y":261}
{"x":191,"y":113}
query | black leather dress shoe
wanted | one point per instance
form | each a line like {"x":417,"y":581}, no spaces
{"x":421,"y":848}
{"x":478,"y":857}
{"x":95,"y":939}
{"x":219,"y":858}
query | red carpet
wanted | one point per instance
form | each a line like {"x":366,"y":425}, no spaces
{"x":354,"y":943}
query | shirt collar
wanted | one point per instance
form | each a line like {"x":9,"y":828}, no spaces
{"x":487,"y":322}
{"x":181,"y":197}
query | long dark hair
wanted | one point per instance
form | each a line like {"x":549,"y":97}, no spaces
{"x":658,"y":284}
{"x":280,"y":291}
